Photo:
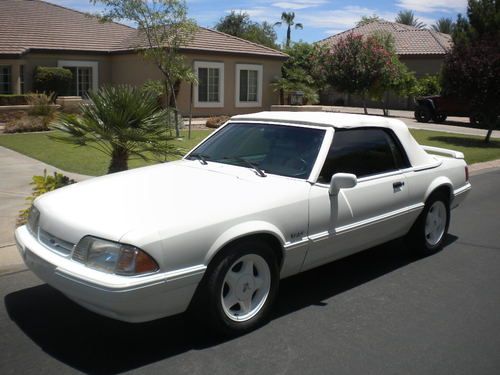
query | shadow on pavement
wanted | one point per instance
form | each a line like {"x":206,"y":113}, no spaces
{"x":99,"y":345}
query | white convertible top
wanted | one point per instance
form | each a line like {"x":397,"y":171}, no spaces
{"x":417,"y":155}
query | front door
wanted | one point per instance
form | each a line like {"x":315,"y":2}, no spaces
{"x":374,"y":211}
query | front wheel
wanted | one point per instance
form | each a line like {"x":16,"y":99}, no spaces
{"x":429,"y":232}
{"x":241,"y":287}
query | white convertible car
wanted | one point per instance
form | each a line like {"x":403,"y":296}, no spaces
{"x":264,"y":197}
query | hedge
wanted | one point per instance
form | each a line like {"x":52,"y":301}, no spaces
{"x":52,"y":79}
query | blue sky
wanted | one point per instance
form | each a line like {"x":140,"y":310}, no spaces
{"x":319,"y":17}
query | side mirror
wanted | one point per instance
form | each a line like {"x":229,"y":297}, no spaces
{"x":342,"y":181}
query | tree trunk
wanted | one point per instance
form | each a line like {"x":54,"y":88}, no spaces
{"x":288,"y":36}
{"x":119,"y":160}
{"x":364,"y":103}
{"x":282,"y":96}
{"x":491,"y":121}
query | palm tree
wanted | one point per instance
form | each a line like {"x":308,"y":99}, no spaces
{"x":121,"y":121}
{"x":288,"y":19}
{"x":444,"y":25}
{"x":407,"y":17}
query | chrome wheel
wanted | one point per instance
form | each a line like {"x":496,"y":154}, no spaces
{"x":435,"y":223}
{"x":245,"y":287}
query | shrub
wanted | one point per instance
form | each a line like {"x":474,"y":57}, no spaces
{"x":216,"y":121}
{"x":52,"y":80}
{"x":41,"y":104}
{"x":8,"y":99}
{"x":27,"y":124}
{"x":41,"y":185}
{"x":428,"y":85}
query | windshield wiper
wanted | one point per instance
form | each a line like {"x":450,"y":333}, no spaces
{"x":202,"y":158}
{"x":257,"y":170}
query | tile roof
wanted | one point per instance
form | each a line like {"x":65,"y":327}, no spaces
{"x":408,"y":40}
{"x":34,"y":24}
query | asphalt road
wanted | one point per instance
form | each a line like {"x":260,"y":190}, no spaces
{"x":382,"y":311}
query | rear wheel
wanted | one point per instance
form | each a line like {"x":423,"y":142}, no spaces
{"x":429,"y":232}
{"x":240,"y":287}
{"x":423,"y":114}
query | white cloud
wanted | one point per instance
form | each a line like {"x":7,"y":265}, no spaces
{"x":342,"y":19}
{"x":299,"y":4}
{"x":430,"y":6}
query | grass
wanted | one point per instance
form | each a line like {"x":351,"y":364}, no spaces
{"x":88,"y":161}
{"x":473,"y":147}
{"x":83,"y":160}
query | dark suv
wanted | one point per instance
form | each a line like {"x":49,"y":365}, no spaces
{"x":437,"y":108}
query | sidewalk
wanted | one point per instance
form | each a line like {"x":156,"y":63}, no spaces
{"x":16,"y":171}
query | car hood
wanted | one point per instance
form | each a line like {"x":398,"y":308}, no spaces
{"x":179,"y":196}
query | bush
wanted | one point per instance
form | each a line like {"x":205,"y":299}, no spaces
{"x":7,"y":99}
{"x":428,"y":85}
{"x":216,"y":121}
{"x":41,"y":185}
{"x":26,"y":124}
{"x":52,"y":80}
{"x":41,"y":104}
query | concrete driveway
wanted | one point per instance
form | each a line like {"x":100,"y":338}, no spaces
{"x":16,"y":172}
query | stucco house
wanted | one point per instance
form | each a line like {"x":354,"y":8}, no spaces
{"x":234,"y":74}
{"x":422,"y":50}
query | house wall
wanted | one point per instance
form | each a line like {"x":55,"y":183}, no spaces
{"x":31,"y":60}
{"x":133,"y":69}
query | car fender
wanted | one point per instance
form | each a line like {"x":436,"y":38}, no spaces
{"x":242,"y":230}
{"x":437,"y":183}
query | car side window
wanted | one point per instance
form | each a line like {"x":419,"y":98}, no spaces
{"x":363,"y":152}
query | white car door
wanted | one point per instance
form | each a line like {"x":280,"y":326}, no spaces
{"x":374,"y":211}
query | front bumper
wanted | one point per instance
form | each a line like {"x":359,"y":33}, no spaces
{"x":131,"y":299}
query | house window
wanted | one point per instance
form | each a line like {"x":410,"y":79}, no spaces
{"x":85,"y":77}
{"x":248,"y":85}
{"x":21,"y":78}
{"x":210,"y":89}
{"x":5,"y":79}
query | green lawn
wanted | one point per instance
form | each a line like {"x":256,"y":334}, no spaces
{"x":88,"y":161}
{"x":474,"y":148}
{"x":83,"y":160}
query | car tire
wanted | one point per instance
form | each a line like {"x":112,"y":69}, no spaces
{"x":439,"y":118}
{"x":429,"y":232}
{"x":240,"y":287}
{"x":423,"y":114}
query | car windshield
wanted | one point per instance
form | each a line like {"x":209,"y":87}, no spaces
{"x":276,"y":149}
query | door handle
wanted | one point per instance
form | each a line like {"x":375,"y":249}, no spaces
{"x":398,"y":184}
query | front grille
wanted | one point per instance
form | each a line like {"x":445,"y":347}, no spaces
{"x":54,"y":243}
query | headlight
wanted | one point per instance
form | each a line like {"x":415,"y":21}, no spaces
{"x":113,"y":257}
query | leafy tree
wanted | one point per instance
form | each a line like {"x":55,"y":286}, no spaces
{"x":395,"y":76}
{"x":297,"y":72}
{"x":407,"y":17}
{"x":122,"y":122}
{"x":164,"y":28}
{"x":288,"y":18}
{"x":239,"y":24}
{"x":365,"y":20}
{"x":444,"y":25}
{"x":355,"y":65}
{"x":472,"y":69}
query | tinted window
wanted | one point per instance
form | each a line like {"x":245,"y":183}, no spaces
{"x":363,"y":152}
{"x":277,"y":149}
